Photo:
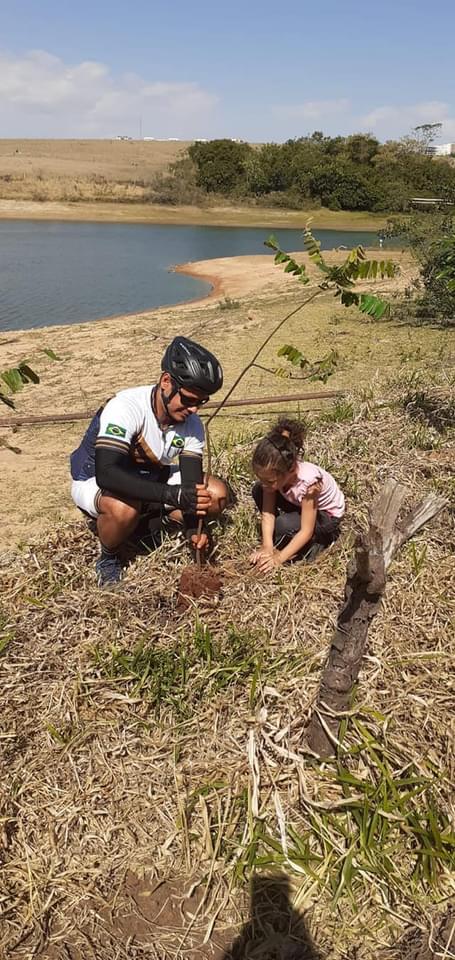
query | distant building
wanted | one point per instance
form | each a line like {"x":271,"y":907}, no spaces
{"x":442,"y":150}
{"x":149,"y":138}
{"x":431,"y":202}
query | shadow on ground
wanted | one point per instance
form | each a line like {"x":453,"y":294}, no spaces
{"x":275,"y":930}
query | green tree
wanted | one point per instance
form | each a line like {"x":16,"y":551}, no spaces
{"x":431,"y":237}
{"x":221,"y":164}
{"x":361,"y":148}
{"x":340,"y":187}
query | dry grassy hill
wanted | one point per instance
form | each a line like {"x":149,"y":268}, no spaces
{"x":82,"y":169}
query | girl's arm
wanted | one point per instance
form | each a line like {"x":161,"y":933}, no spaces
{"x":268,"y":518}
{"x":265,"y":551}
{"x":308,"y":515}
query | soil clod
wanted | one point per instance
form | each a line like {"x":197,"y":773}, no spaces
{"x":197,"y":584}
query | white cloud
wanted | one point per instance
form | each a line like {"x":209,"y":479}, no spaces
{"x":312,"y":109}
{"x":41,"y":95}
{"x":388,"y":121}
{"x":394,"y":121}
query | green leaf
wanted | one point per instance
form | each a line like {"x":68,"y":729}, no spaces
{"x":282,"y":257}
{"x":13,"y":379}
{"x":272,"y":242}
{"x":50,"y":353}
{"x":373,"y":306}
{"x":293,"y":355}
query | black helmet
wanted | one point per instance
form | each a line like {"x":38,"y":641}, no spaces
{"x":192,"y":366}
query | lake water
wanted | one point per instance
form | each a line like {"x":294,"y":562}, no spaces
{"x":57,"y":273}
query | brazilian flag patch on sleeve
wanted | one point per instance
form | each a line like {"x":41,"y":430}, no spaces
{"x":113,"y":430}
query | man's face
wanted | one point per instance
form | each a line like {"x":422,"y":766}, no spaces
{"x":184,"y":402}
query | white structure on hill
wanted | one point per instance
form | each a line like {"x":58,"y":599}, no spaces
{"x":442,"y":150}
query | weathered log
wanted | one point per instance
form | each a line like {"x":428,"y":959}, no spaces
{"x":365,"y":585}
{"x":30,"y":420}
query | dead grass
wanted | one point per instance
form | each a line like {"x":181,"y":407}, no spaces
{"x":152,"y":762}
{"x":139,"y":742}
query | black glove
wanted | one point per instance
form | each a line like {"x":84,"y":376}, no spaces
{"x":183,"y":498}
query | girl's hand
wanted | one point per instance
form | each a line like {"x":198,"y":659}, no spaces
{"x":268,"y":563}
{"x":260,"y":552}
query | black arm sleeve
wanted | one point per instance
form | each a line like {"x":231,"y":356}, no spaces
{"x":115,"y":472}
{"x":191,"y":473}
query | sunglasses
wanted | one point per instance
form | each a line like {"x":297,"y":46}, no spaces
{"x":187,"y":401}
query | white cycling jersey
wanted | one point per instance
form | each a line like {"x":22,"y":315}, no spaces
{"x":127,"y":422}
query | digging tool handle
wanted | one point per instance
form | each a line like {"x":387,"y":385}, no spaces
{"x":198,"y":549}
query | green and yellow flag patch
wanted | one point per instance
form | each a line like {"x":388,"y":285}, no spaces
{"x":113,"y":430}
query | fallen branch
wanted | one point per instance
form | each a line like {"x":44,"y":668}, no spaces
{"x":365,"y":585}
{"x":251,"y":402}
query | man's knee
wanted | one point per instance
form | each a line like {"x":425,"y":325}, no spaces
{"x":124,"y":512}
{"x":220,"y":494}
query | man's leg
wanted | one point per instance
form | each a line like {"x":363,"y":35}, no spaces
{"x":116,"y":519}
{"x":115,"y":523}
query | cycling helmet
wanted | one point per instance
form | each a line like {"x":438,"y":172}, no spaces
{"x":192,"y":366}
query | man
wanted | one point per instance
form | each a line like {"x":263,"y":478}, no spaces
{"x":143,"y":451}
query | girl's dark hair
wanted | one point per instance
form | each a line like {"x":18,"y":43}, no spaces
{"x":280,"y":449}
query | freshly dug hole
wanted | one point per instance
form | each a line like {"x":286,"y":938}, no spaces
{"x":195,"y":584}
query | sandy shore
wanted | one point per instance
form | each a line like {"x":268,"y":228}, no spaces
{"x":245,"y":216}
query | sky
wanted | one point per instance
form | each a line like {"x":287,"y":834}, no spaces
{"x":258,"y":71}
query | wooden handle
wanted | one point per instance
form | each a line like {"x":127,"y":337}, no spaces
{"x":198,"y":549}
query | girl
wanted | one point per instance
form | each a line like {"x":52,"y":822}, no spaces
{"x":301,"y":504}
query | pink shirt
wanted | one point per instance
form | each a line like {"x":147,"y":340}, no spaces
{"x":330,"y":498}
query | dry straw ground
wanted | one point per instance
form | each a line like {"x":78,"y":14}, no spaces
{"x":152,"y":762}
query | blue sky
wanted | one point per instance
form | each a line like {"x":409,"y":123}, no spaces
{"x":258,"y":71}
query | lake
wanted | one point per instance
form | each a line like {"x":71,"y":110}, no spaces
{"x":58,"y":272}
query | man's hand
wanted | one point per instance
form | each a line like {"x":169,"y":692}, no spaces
{"x":204,"y":499}
{"x":199,"y":542}
{"x":192,"y":499}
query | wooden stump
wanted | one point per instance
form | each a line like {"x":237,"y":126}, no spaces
{"x":365,"y":585}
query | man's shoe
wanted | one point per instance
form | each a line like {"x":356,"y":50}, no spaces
{"x":108,"y":570}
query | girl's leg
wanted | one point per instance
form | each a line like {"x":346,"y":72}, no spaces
{"x":286,"y":526}
{"x":327,"y":528}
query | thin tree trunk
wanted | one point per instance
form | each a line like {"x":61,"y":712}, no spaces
{"x":365,"y":585}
